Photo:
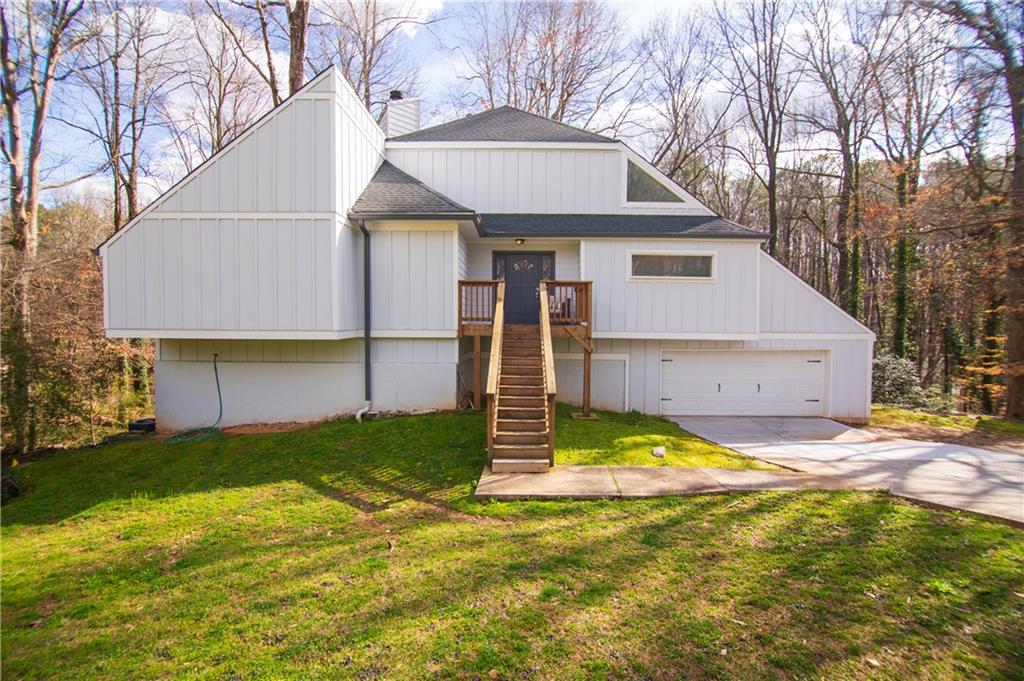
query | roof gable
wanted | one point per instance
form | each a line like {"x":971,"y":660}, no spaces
{"x":503,"y":124}
{"x":393,"y":192}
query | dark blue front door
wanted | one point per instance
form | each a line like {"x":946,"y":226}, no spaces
{"x":522,"y":273}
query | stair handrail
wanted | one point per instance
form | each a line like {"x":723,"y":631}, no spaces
{"x":549,"y":369}
{"x":494,"y":367}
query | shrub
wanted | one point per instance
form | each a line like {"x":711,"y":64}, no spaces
{"x":894,"y":381}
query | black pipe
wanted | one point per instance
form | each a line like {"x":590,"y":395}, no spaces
{"x":367,"y":393}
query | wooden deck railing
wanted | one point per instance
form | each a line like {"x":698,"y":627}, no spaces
{"x":548,"y":369}
{"x":494,"y":365}
{"x":477,"y":302}
{"x":569,"y":302}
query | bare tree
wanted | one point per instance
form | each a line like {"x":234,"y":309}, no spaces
{"x":566,"y":61}
{"x":754,"y":34}
{"x":35,"y":42}
{"x":688,"y":126}
{"x":243,"y":19}
{"x":220,"y":93}
{"x":362,"y":38}
{"x":913,"y":100}
{"x":996,"y":40}
{"x":132,"y":73}
{"x":842,"y":70}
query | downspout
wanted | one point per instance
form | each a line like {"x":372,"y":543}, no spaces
{"x":366,"y":323}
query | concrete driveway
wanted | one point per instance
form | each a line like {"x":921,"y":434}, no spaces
{"x":979,"y":480}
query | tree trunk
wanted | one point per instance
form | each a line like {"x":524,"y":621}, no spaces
{"x":298,"y":22}
{"x":773,"y":210}
{"x":1014,"y":235}
{"x":842,"y":244}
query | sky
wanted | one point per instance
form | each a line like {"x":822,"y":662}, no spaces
{"x":433,"y":46}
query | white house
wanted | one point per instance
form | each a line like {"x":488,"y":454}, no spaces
{"x":328,"y":263}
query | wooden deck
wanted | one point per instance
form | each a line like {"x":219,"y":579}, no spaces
{"x":566,"y":313}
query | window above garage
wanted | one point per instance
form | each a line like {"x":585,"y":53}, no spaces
{"x":673,"y":266}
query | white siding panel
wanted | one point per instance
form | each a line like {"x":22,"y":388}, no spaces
{"x":223,"y":274}
{"x":529,"y":180}
{"x":727,"y":305}
{"x":226,"y":270}
{"x":788,"y":305}
{"x":413,"y":274}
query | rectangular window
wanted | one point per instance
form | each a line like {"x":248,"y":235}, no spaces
{"x":673,"y":266}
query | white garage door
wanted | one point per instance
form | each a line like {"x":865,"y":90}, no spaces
{"x":743,"y":383}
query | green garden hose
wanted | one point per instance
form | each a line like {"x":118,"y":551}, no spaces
{"x":200,"y":434}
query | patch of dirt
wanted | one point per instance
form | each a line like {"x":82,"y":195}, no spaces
{"x":974,"y":438}
{"x":258,"y":428}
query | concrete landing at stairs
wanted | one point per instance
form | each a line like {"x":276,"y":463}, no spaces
{"x":637,"y":482}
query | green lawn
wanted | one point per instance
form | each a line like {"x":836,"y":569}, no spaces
{"x":627,"y":440}
{"x":897,"y":417}
{"x":357,"y":551}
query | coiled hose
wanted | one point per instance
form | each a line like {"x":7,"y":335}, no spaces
{"x":200,"y":434}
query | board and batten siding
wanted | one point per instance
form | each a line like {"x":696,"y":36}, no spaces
{"x":567,"y":256}
{"x":254,"y":243}
{"x":529,"y":180}
{"x":413,"y":269}
{"x":225,"y":275}
{"x":790,"y":305}
{"x":627,"y":307}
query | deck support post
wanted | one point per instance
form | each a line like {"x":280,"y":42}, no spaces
{"x":478,"y":402}
{"x":586,"y":382}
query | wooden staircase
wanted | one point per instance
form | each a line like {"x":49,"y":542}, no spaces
{"x":521,"y":394}
{"x":521,"y":434}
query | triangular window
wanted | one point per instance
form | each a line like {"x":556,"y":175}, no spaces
{"x":641,"y":187}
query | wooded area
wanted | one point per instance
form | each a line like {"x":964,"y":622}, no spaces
{"x":880,"y":146}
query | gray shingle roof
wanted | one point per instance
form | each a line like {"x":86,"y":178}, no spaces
{"x":392,"y":192}
{"x":585,"y":225}
{"x":504,"y":124}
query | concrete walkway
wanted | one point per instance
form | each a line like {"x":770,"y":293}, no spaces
{"x":637,"y":482}
{"x":952,"y":476}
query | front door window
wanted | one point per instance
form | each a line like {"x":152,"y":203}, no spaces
{"x":523,"y":273}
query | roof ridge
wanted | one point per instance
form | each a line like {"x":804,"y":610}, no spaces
{"x":552,"y":120}
{"x":501,"y":123}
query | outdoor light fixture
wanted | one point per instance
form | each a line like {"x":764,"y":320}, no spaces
{"x":520,"y":242}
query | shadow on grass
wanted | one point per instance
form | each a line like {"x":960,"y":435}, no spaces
{"x":787,"y":584}
{"x":431,"y":458}
{"x":791,"y":584}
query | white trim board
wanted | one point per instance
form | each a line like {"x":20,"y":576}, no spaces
{"x":207,"y":215}
{"x":649,"y":335}
{"x":232,"y":334}
{"x":591,"y":146}
{"x":442,"y":334}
